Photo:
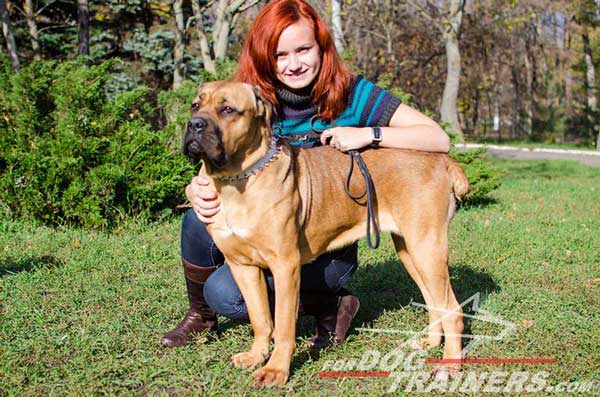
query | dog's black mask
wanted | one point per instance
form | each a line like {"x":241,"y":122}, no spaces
{"x":203,"y":141}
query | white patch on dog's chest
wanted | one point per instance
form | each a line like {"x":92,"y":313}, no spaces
{"x":224,"y":229}
{"x":227,"y":231}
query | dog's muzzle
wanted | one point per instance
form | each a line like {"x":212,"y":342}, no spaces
{"x":203,"y":141}
{"x":192,"y":146}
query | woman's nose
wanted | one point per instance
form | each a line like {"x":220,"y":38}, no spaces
{"x":294,"y":62}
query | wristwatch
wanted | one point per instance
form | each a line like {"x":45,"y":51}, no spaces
{"x":376,"y":136}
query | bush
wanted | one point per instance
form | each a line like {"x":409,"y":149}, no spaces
{"x":483,"y":177}
{"x":70,"y":155}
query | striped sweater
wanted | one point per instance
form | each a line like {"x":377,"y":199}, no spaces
{"x":368,"y":106}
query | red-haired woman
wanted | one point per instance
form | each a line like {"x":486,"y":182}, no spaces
{"x":289,"y":53}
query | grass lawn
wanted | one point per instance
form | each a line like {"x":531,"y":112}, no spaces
{"x":81,"y":312}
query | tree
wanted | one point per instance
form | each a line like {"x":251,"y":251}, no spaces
{"x":451,"y":30}
{"x":179,"y":49}
{"x":587,"y":16}
{"x":9,"y":37}
{"x":83,"y":16}
{"x":447,"y":18}
{"x":336,"y":22}
{"x":33,"y":29}
{"x":226,"y":15}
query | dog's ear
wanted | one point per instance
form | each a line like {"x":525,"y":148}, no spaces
{"x":263,"y":106}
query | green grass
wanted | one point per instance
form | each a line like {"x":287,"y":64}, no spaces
{"x":81,"y":312}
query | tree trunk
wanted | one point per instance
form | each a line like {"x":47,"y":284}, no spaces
{"x":11,"y":46}
{"x":475,"y":117}
{"x":496,"y":122}
{"x":83,"y":16}
{"x":515,"y":128}
{"x":207,"y":59}
{"x":530,"y":81}
{"x":336,"y":22}
{"x":590,"y":74}
{"x":179,"y":44}
{"x":590,"y":79}
{"x":448,"y":109}
{"x":33,"y":30}
{"x":222,"y":28}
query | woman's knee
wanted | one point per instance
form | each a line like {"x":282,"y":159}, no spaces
{"x":197,"y":247}
{"x":223,"y":295}
{"x":331,"y":271}
{"x":342,"y":266}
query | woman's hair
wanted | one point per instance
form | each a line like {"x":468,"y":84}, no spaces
{"x":257,"y":63}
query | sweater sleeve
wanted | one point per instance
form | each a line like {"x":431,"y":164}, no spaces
{"x":370,"y":105}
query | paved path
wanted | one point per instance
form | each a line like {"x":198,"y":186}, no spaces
{"x":588,"y":157}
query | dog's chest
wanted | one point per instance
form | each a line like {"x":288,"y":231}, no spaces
{"x":237,"y":235}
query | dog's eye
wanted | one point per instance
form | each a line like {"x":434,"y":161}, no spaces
{"x":195,"y":106}
{"x":227,"y":110}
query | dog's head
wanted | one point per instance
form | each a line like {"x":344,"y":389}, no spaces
{"x":229,"y":120}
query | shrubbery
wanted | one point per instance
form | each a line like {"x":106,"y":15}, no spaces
{"x":69,"y":155}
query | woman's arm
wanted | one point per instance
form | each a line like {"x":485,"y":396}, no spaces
{"x":408,"y":129}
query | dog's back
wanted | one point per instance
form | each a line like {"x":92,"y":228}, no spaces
{"x":411,"y":186}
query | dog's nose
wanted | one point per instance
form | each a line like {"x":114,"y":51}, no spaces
{"x":197,"y":123}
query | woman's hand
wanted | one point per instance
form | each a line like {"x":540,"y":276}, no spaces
{"x":347,"y":138}
{"x":204,"y":199}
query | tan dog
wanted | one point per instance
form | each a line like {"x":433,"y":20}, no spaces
{"x":293,"y":208}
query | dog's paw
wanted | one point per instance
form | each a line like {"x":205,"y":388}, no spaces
{"x":426,"y":343}
{"x":269,"y":377}
{"x":444,"y":373}
{"x":247,"y":360}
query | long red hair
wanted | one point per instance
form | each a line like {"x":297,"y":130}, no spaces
{"x":257,"y":63}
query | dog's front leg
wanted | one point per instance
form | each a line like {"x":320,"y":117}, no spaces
{"x":251,"y":281}
{"x":287,"y":288}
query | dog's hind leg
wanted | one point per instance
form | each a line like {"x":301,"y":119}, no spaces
{"x":428,"y":249}
{"x":252,"y":284}
{"x":434,"y":335}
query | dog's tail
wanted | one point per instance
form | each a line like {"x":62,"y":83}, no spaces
{"x":460,"y":183}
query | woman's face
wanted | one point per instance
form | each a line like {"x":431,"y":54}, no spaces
{"x":298,"y":55}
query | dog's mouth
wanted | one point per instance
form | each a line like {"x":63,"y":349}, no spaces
{"x":205,"y":144}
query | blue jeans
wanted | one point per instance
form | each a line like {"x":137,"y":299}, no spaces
{"x":329,"y":272}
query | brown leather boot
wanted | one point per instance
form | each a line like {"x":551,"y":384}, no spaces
{"x":333,"y":313}
{"x":200,"y":317}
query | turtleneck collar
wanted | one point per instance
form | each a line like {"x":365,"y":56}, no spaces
{"x":297,"y":99}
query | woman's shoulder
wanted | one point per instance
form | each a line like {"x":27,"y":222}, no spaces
{"x":361,"y":88}
{"x":368,"y":104}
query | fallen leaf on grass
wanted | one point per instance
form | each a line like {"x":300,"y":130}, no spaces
{"x":200,"y":339}
{"x":76,"y":243}
{"x":591,"y":283}
{"x":528,"y":323}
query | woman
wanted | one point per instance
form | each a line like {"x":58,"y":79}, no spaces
{"x":290,"y":55}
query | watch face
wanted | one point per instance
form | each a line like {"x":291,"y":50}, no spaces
{"x":377,"y":134}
